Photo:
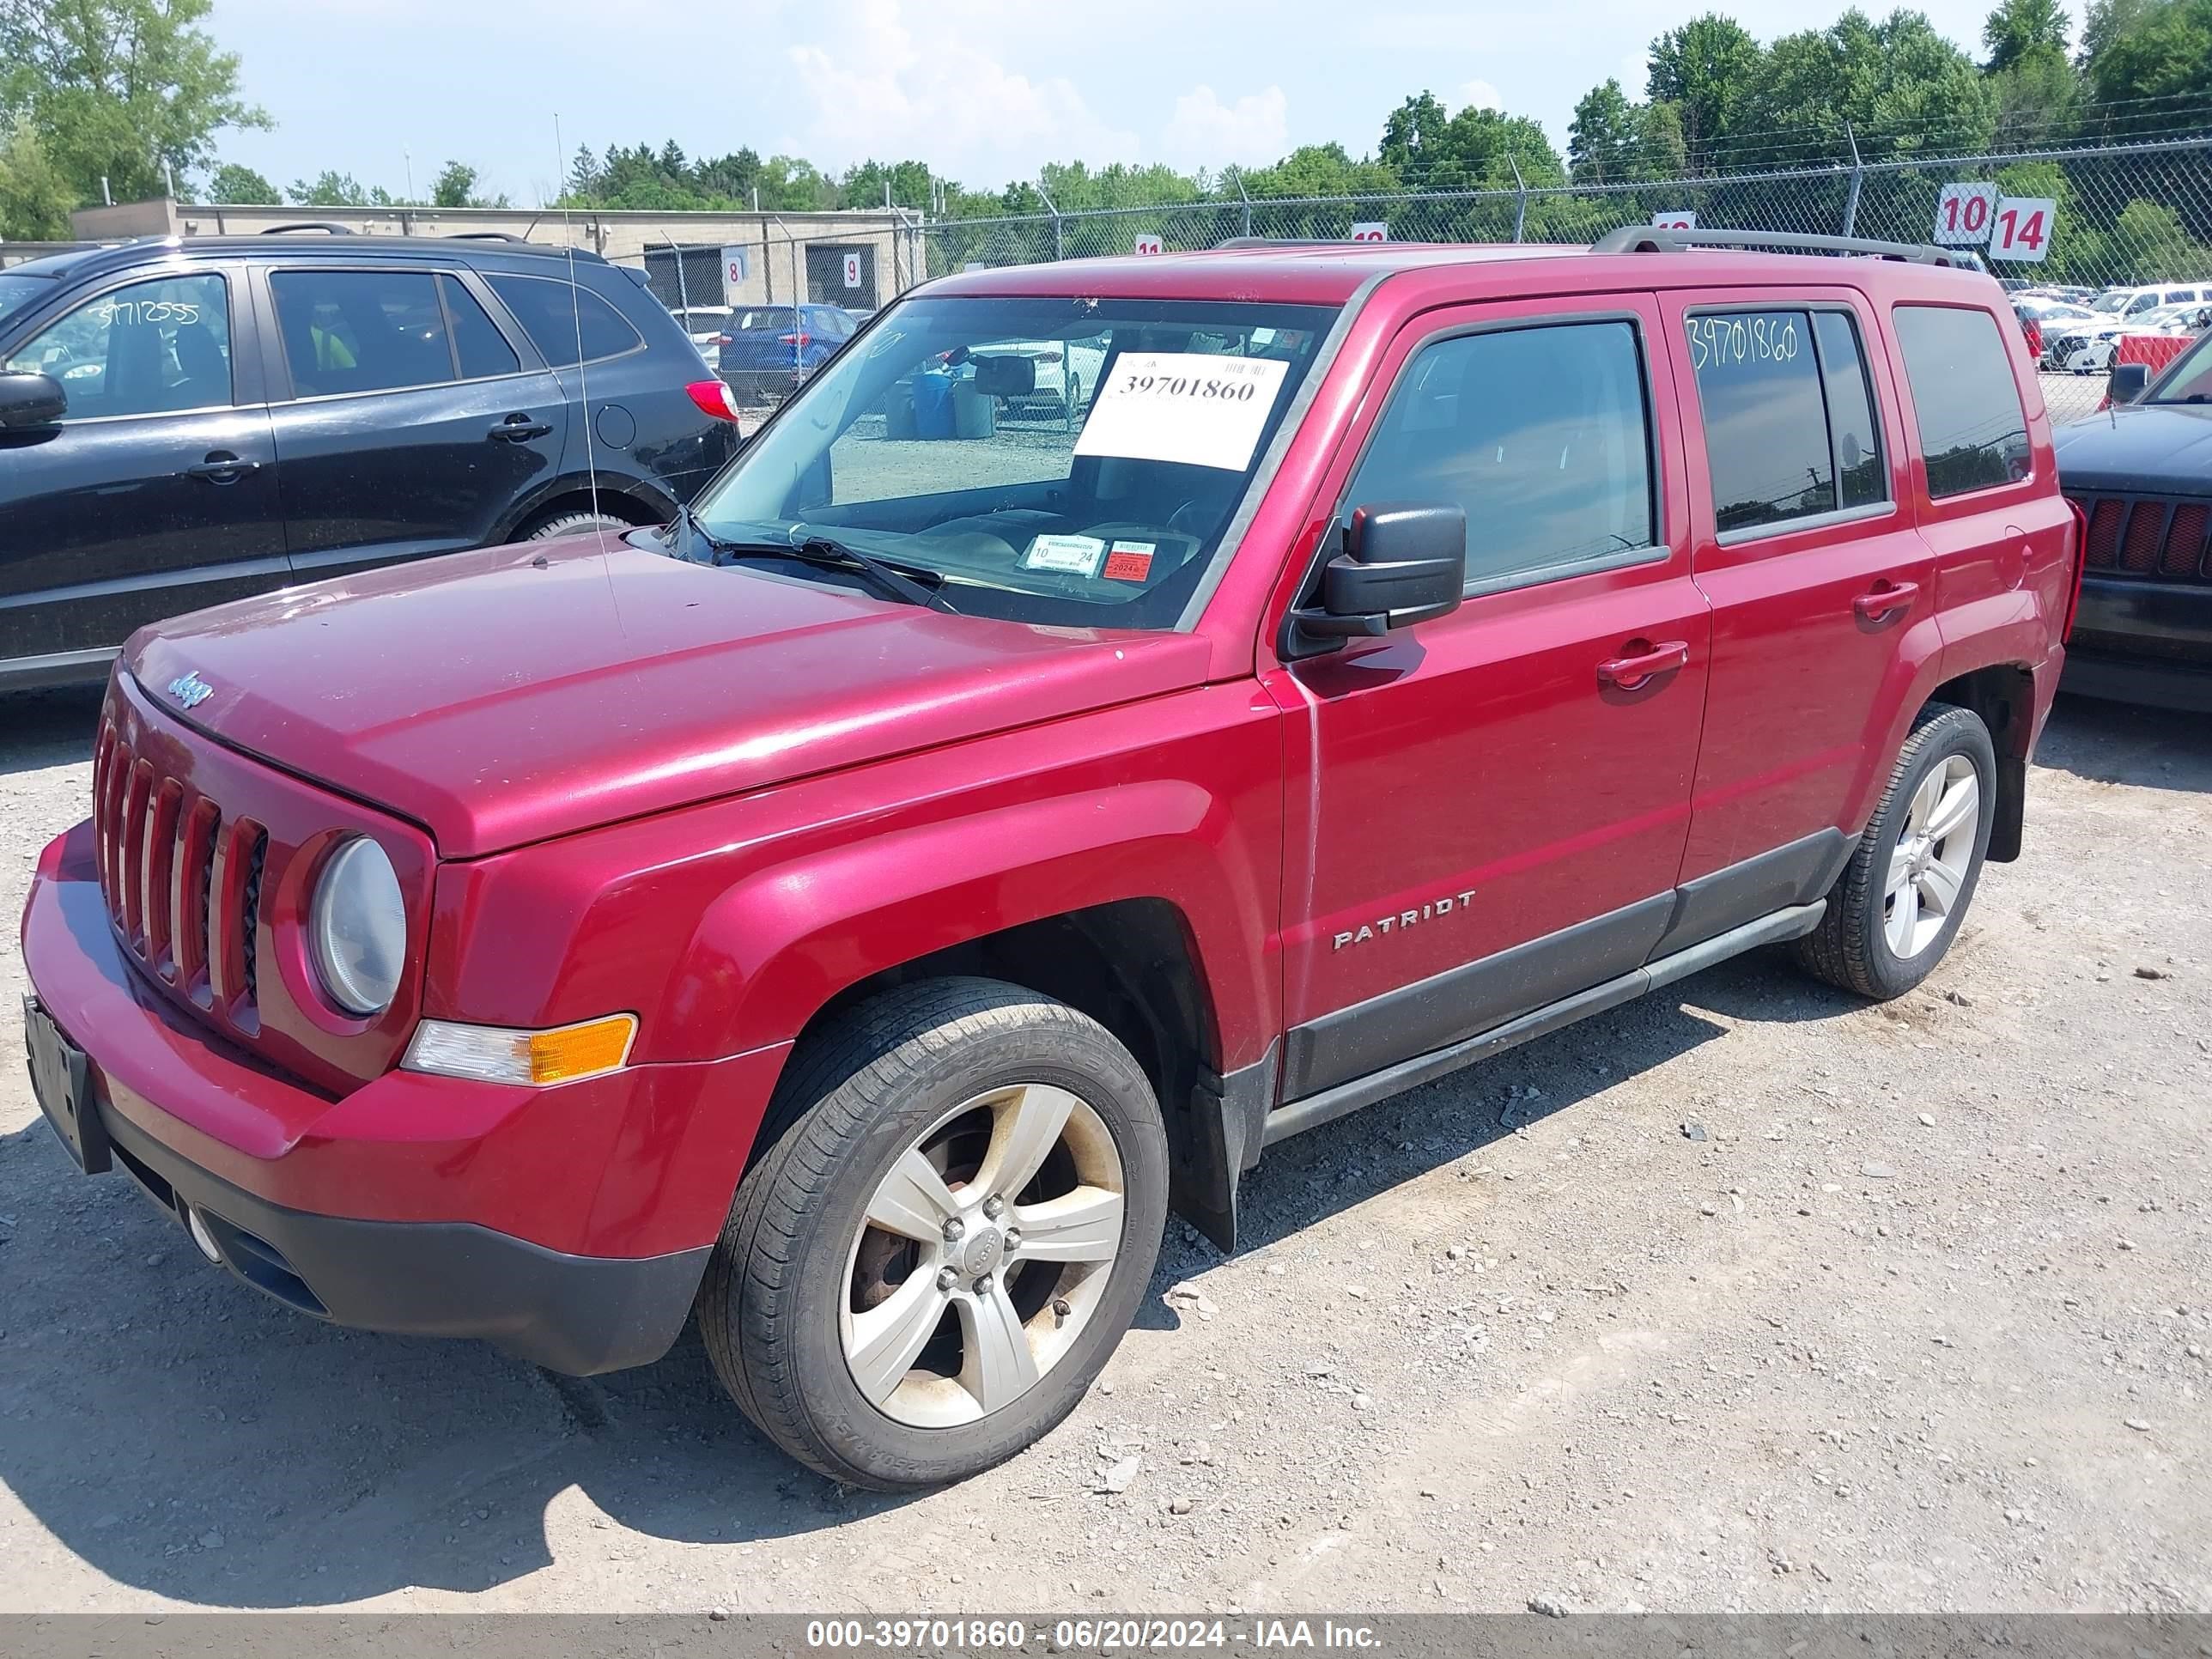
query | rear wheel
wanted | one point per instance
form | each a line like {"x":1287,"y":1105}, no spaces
{"x":952,"y":1226}
{"x":575,"y":524}
{"x":1895,"y":909}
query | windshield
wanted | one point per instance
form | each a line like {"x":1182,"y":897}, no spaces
{"x":775,"y":317}
{"x":1053,"y":461}
{"x":2190,"y":378}
{"x":17,"y":292}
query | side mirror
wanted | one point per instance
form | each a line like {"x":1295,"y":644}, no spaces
{"x":1403,"y":562}
{"x":28,"y":398}
{"x":2128,"y":383}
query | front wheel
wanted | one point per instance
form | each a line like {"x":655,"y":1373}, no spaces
{"x":954,"y":1222}
{"x":1895,"y":909}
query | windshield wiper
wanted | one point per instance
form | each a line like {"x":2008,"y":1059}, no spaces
{"x":828,"y":555}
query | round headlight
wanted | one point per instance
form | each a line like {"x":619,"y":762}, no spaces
{"x":359,"y":925}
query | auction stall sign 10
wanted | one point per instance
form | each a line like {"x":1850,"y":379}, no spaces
{"x":2012,"y":227}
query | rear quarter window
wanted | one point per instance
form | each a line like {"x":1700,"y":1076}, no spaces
{"x":567,"y":322}
{"x":1973,"y":433}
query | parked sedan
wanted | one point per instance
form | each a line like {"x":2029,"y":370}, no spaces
{"x":767,"y":352}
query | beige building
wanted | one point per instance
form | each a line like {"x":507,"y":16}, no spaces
{"x":857,"y":259}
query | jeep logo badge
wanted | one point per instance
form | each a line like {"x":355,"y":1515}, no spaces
{"x":190,"y":690}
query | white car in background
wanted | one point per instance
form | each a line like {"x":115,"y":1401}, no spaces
{"x":1066,"y":370}
{"x":2091,"y":351}
{"x":704,"y":323}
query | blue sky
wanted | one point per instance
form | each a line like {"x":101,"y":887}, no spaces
{"x":984,"y":90}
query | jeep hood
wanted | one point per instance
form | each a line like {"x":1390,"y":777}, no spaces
{"x":507,"y":696}
{"x":2165,"y":448}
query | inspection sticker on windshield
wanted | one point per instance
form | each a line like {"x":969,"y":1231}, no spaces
{"x":1187,"y":406}
{"x":1129,"y":562}
{"x":1079,"y":555}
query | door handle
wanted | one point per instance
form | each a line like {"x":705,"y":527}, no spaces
{"x":1874,"y":605}
{"x":517,"y":427}
{"x":220,"y":467}
{"x":1639,"y":661}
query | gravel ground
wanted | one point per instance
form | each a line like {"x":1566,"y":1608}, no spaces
{"x":1744,"y":1296}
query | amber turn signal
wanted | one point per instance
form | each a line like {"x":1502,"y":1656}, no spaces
{"x":493,"y":1054}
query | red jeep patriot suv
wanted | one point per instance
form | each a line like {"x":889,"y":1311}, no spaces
{"x":862,"y":909}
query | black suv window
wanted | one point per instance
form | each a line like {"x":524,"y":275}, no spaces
{"x":1787,"y":409}
{"x":482,"y":349}
{"x":560,"y":317}
{"x":1972,"y":429}
{"x":152,"y":348}
{"x":362,"y":330}
{"x":1538,"y":434}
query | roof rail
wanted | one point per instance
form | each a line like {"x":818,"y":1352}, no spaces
{"x":485,"y":236}
{"x":1648,"y":239}
{"x":1286,"y":241}
{"x":323,"y":225}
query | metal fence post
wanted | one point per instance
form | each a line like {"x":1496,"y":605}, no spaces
{"x":1246,"y":200}
{"x":1521,"y":204}
{"x":1058,"y":233}
{"x":1858,"y":178}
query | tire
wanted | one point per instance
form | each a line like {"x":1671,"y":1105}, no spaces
{"x":1857,"y":946}
{"x":575,"y":524}
{"x":804,"y":1284}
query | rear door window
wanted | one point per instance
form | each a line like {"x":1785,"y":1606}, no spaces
{"x":1972,"y":430}
{"x":362,"y":330}
{"x":566,"y":321}
{"x":1540,"y":434}
{"x":1788,"y":411}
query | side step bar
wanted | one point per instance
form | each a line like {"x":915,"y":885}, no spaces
{"x":1348,"y":1098}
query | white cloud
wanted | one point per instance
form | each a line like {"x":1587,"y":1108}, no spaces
{"x":881,"y":93}
{"x":1481,"y":95}
{"x":1205,"y":132}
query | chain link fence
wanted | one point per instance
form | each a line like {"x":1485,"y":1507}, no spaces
{"x":2125,"y":213}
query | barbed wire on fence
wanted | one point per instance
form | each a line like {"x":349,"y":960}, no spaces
{"x":2133,"y":211}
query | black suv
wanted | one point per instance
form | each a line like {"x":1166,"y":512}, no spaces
{"x":2141,"y":477}
{"x":184,"y":422}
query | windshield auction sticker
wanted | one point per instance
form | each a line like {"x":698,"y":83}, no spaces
{"x":1190,"y":407}
{"x":1079,"y":555}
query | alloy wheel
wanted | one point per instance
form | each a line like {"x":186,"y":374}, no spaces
{"x":1934,"y":851}
{"x":982,"y":1257}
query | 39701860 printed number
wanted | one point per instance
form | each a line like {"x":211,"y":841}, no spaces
{"x":897,"y":1635}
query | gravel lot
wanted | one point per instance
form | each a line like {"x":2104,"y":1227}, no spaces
{"x":1914,"y":1316}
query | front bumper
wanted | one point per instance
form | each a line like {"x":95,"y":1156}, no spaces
{"x":570,"y":1225}
{"x":2142,"y":641}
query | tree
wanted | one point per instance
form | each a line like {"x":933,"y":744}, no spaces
{"x":1704,"y":68}
{"x":332,"y":190}
{"x":456,"y":186}
{"x":2018,"y":28}
{"x":35,"y":199}
{"x":125,"y":90}
{"x":2137,"y":49}
{"x":1412,"y":131}
{"x":235,"y":185}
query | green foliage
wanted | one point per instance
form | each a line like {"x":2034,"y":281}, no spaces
{"x":2151,"y":239}
{"x":35,"y":199}
{"x":2018,"y":28}
{"x":335,"y":189}
{"x":119,"y":90}
{"x":236,"y":186}
{"x":2137,"y":49}
{"x":1703,"y":69}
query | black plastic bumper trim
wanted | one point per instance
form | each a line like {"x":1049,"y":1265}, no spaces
{"x":580,"y":1314}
